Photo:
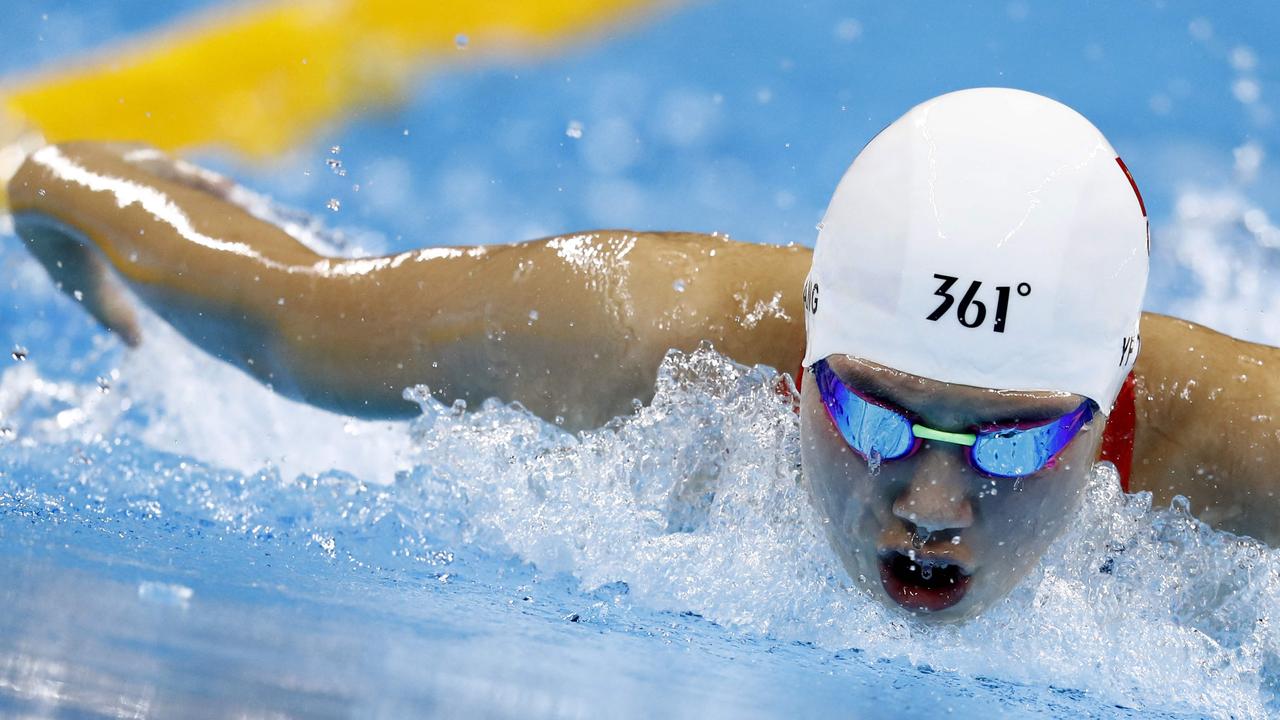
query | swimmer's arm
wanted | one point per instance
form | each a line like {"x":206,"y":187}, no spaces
{"x":572,"y":327}
{"x":1208,"y":425}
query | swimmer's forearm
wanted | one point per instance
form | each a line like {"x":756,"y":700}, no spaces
{"x":573,"y":328}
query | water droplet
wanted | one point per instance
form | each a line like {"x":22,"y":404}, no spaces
{"x":574,"y":130}
{"x":533,"y":316}
{"x":873,"y":463}
{"x":333,"y":204}
{"x":104,"y":385}
{"x":955,"y":539}
{"x":335,"y":149}
{"x":461,"y":41}
{"x":41,"y":192}
{"x":6,"y":433}
{"x":678,"y":286}
{"x":19,"y":353}
{"x":279,"y":301}
{"x":926,"y":572}
{"x":78,"y":295}
{"x":919,"y":538}
{"x":336,"y":166}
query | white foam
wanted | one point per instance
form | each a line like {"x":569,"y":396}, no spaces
{"x":696,"y":503}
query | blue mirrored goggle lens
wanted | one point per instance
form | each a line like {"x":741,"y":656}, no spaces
{"x":869,"y":429}
{"x":1019,"y":452}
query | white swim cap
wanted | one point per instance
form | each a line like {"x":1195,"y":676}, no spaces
{"x":989,"y":237}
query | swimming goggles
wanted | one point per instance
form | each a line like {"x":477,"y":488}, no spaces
{"x":879,"y":433}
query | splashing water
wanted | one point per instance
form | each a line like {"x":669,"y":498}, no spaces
{"x":697,"y":504}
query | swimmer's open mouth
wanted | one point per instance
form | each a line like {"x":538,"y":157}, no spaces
{"x":925,"y":584}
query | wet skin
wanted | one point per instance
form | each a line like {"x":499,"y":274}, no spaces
{"x":117,"y":224}
{"x":929,"y":533}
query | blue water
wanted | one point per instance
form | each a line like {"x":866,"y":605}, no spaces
{"x":179,"y":542}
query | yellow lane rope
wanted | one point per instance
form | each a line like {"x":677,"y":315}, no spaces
{"x":256,"y":79}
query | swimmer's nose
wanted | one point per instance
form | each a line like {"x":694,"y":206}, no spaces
{"x":937,"y":498}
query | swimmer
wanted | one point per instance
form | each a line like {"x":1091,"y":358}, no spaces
{"x":973,"y":312}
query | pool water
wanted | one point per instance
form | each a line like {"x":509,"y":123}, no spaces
{"x":178,"y":541}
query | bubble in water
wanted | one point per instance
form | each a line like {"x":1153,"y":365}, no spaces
{"x":335,"y":150}
{"x":1246,"y":90}
{"x":461,"y":41}
{"x":1201,"y":29}
{"x":19,"y":353}
{"x":848,"y":30}
{"x":334,"y":204}
{"x":574,"y":130}
{"x":1243,"y":59}
{"x":678,"y":286}
{"x":533,"y":316}
{"x":78,"y":295}
{"x":926,"y":571}
{"x":104,"y":384}
{"x":169,"y":594}
{"x":335,"y":165}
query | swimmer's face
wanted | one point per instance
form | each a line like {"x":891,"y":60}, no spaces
{"x":928,"y":533}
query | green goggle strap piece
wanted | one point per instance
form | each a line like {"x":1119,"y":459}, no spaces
{"x":928,"y":433}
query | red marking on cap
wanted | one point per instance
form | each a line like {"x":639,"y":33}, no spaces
{"x":1117,"y":439}
{"x":1133,"y":185}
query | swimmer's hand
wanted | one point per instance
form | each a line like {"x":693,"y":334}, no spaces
{"x":79,"y":270}
{"x":107,"y":218}
{"x":71,"y":244}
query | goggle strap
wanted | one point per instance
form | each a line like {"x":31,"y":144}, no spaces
{"x":928,"y":433}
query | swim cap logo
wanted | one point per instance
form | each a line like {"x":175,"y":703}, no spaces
{"x":811,"y":297}
{"x":1129,"y":348}
{"x":972,"y":312}
{"x":1141,"y":204}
